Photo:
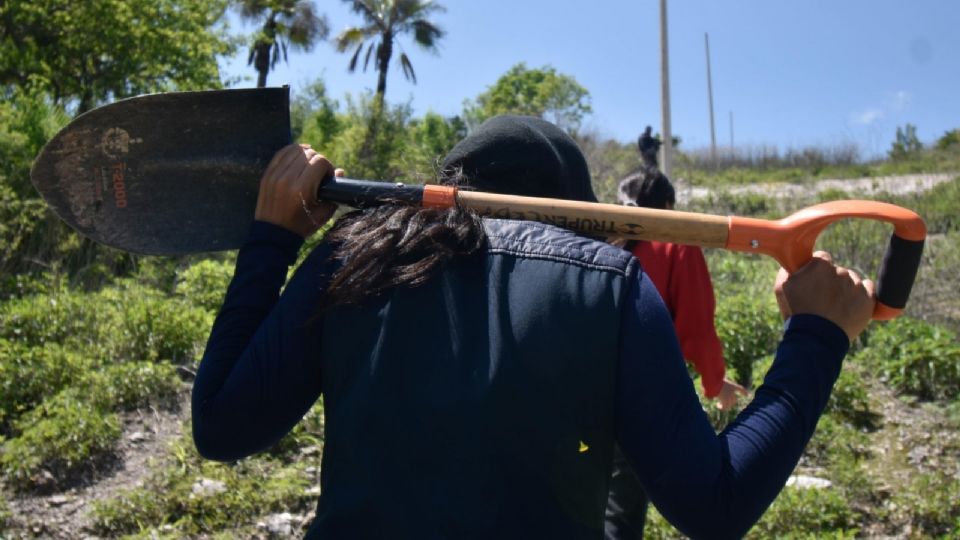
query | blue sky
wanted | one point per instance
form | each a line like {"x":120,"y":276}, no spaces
{"x":794,"y":74}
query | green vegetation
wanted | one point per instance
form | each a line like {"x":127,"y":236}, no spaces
{"x":532,"y":92}
{"x":915,"y":358}
{"x":58,"y":442}
{"x":4,"y":511}
{"x":86,"y":53}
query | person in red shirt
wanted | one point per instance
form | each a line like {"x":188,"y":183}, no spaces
{"x":680,"y":275}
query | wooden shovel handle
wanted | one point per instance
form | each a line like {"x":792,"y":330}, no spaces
{"x":596,"y":219}
{"x":789,"y":240}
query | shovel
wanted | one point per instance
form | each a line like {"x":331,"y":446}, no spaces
{"x":178,"y":173}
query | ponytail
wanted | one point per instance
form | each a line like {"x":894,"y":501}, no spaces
{"x":396,"y":245}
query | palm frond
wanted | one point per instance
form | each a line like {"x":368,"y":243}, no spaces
{"x":426,"y":34}
{"x":350,"y":37}
{"x":353,"y":61}
{"x":407,"y":68}
{"x":371,"y":10}
{"x":275,"y":56}
{"x":366,"y":61}
{"x":253,"y":10}
{"x":304,"y":26}
{"x":418,"y":9}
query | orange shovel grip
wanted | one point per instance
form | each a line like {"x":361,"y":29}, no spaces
{"x":791,"y":240}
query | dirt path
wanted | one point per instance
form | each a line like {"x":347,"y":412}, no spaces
{"x":144,"y":442}
{"x":901,"y":184}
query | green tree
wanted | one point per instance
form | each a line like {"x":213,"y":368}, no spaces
{"x":84,"y":52}
{"x":429,"y":139}
{"x":370,"y":152}
{"x":285,"y":24}
{"x":313,"y":117}
{"x":906,"y":144}
{"x":949,"y":140}
{"x":384,"y":22}
{"x":539,"y":92}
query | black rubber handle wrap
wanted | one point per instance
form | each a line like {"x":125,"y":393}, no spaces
{"x":898,"y":271}
{"x":366,"y":193}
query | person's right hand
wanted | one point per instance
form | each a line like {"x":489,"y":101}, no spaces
{"x":288,"y":190}
{"x":830,"y":291}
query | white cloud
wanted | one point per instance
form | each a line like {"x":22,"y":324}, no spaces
{"x":868,"y":117}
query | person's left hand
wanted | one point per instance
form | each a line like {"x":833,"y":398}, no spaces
{"x":730,"y":392}
{"x":288,"y":190}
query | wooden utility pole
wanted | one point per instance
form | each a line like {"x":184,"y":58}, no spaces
{"x":713,"y":132}
{"x":667,"y":147}
{"x":731,"y":131}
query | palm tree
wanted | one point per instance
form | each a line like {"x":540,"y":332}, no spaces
{"x":286,"y":24}
{"x":385,"y":20}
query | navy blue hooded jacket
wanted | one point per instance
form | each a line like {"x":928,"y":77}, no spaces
{"x":484,"y":403}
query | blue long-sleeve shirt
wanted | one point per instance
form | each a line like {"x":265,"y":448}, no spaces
{"x":259,"y":375}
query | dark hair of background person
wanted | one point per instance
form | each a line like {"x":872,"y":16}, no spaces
{"x":647,"y":188}
{"x":401,"y":245}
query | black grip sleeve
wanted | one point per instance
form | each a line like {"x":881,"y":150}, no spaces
{"x":900,"y":265}
{"x":366,"y":193}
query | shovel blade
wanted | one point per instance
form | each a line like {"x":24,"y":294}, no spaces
{"x":165,"y":174}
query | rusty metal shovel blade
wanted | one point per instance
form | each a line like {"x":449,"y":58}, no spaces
{"x":165,"y":174}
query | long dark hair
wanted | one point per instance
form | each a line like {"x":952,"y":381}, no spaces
{"x":396,"y":245}
{"x":647,"y":187}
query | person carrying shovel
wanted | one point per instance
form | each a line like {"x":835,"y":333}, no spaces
{"x":476,"y":373}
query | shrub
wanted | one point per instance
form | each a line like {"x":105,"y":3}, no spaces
{"x":126,"y":321}
{"x":807,"y":513}
{"x":934,"y":298}
{"x":28,"y":374}
{"x":58,"y":442}
{"x":205,"y":283}
{"x":146,"y":325}
{"x":749,"y":327}
{"x":937,"y":206}
{"x":950,"y":139}
{"x":130,"y":385}
{"x":916,"y":358}
{"x":850,"y":400}
{"x":838,"y":447}
{"x":18,"y":221}
{"x":61,"y":317}
{"x":739,"y":204}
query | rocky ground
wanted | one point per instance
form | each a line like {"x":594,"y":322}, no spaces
{"x":146,"y":436}
{"x":899,"y":185}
